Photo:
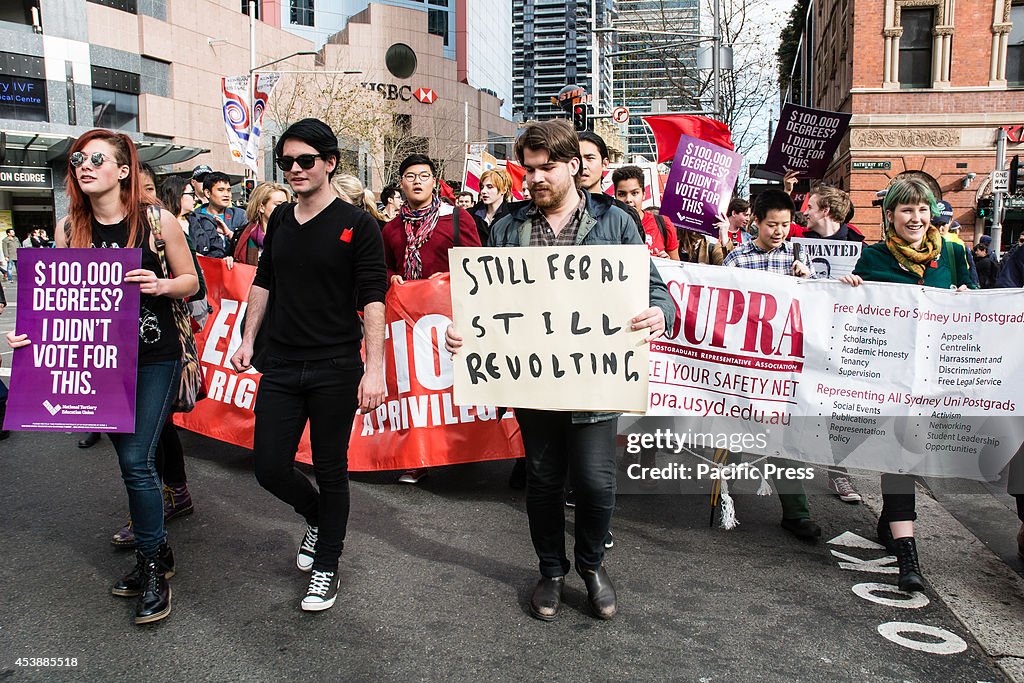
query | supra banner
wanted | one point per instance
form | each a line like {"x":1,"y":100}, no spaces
{"x":887,"y":377}
{"x":418,"y":425}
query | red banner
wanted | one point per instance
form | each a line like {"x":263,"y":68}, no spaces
{"x":418,"y":425}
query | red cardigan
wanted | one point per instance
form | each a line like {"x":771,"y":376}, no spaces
{"x":434,"y":253}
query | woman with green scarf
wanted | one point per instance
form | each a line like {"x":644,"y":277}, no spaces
{"x":913,"y":253}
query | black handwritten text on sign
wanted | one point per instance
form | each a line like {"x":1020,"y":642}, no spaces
{"x":548,"y":327}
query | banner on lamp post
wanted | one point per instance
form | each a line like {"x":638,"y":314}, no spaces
{"x":262,"y":86}
{"x":235,"y":97}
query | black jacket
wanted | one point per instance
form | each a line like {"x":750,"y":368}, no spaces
{"x":203,"y":231}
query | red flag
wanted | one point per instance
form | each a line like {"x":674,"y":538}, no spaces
{"x":516,"y":172}
{"x":446,"y":191}
{"x":667,"y":129}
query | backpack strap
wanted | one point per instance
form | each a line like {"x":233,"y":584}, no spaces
{"x":456,"y":217}
{"x":661,"y":226}
{"x":153,"y":218}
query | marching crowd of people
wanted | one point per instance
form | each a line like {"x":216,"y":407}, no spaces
{"x":325,"y":252}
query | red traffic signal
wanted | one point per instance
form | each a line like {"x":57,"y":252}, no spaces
{"x":580,"y":117}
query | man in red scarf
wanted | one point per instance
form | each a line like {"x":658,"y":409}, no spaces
{"x":417,"y":240}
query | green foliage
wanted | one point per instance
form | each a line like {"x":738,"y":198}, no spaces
{"x":790,"y":40}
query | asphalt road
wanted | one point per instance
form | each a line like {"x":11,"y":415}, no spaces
{"x":435,"y":583}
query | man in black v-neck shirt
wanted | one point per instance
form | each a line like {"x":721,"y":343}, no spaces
{"x":323,"y":261}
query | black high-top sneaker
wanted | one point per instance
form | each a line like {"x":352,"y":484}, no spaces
{"x":131,"y":584}
{"x":155,"y":599}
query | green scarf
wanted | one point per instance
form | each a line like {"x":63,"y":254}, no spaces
{"x":915,"y":259}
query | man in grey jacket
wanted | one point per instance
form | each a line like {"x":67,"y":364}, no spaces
{"x":580,"y":444}
{"x":10,"y":249}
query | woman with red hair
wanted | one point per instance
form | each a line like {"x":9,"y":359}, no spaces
{"x":107,"y":210}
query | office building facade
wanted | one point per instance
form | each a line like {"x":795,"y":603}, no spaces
{"x":650,"y":67}
{"x":559,"y":43}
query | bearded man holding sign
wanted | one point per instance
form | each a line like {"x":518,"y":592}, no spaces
{"x":578,"y":444}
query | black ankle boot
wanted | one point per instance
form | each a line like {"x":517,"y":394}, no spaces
{"x":600,"y":592}
{"x":885,"y":536}
{"x":155,"y":599}
{"x":131,"y":584}
{"x":910,"y":569}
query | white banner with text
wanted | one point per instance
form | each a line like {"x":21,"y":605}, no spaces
{"x":895,"y":378}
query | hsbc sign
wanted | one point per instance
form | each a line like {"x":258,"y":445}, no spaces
{"x":405,"y":93}
{"x":425,"y":95}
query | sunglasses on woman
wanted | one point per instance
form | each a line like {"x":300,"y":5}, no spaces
{"x":305,"y":161}
{"x":97,"y":159}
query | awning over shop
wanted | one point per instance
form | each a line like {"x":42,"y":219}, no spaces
{"x":42,"y":149}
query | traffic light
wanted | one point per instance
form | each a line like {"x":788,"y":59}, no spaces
{"x":580,"y":117}
{"x":248,"y":185}
{"x":1014,"y":173}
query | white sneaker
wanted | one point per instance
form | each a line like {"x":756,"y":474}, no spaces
{"x":842,"y":487}
{"x":322,"y":591}
{"x":307,"y":550}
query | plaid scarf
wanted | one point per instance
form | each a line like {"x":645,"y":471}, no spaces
{"x":915,"y":260}
{"x":419,"y":226}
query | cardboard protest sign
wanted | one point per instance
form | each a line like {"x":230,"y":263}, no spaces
{"x":806,"y":140}
{"x":79,"y":372}
{"x":830,"y":259}
{"x":548,"y":327}
{"x":699,"y":185}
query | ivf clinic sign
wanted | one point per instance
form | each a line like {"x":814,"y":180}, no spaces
{"x":25,"y":178}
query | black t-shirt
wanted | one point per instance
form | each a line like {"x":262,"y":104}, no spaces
{"x":158,"y":333}
{"x":843,"y":234}
{"x":320,"y":274}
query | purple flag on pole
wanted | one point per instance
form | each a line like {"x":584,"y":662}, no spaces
{"x":806,"y":140}
{"x":79,"y":372}
{"x":700,"y":184}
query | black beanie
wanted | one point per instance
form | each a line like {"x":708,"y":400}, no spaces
{"x":314,"y":133}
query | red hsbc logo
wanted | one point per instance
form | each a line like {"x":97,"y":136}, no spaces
{"x":425,"y":95}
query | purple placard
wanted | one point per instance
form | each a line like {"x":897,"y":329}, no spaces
{"x":806,"y":140}
{"x":78,"y":374}
{"x":700,"y":184}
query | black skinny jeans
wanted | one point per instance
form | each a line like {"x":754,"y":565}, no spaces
{"x":556,"y":448}
{"x":324,"y":393}
{"x":898,"y":502}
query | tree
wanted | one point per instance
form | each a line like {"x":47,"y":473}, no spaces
{"x":361,"y":118}
{"x":790,"y":42}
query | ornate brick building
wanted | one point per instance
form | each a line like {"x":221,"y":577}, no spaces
{"x":929,"y":82}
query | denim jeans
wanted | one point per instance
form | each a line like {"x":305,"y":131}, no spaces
{"x":136,"y":452}
{"x":12,"y":269}
{"x":324,"y":393}
{"x":556,"y":448}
